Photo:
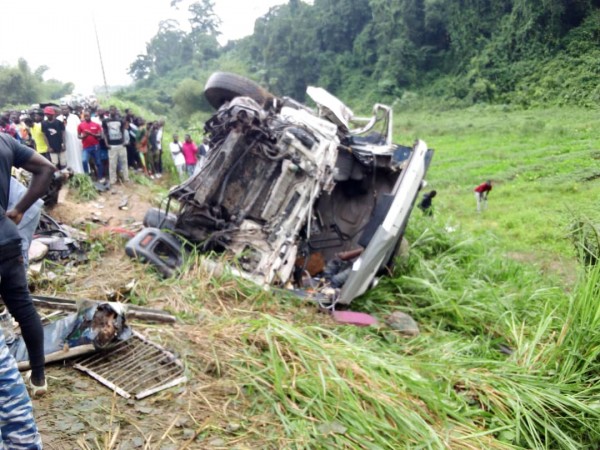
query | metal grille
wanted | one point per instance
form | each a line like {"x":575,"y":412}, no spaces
{"x":134,"y":368}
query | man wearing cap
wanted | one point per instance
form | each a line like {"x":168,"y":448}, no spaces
{"x":54,"y":131}
{"x":17,"y":425}
{"x":114,"y":135}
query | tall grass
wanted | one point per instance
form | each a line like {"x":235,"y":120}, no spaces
{"x":502,"y":363}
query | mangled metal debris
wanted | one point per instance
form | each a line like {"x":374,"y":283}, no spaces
{"x":135,"y":368}
{"x":291,"y":197}
{"x":131,"y":312}
{"x":109,"y":350}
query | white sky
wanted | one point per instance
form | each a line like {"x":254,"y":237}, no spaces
{"x":60,"y":34}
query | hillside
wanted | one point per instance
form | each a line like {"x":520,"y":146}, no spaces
{"x":519,"y":52}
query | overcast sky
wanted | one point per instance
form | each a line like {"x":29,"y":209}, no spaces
{"x":60,"y":34}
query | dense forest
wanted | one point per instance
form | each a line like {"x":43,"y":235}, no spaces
{"x":456,"y":52}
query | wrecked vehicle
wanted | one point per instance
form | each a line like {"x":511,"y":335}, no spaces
{"x":311,"y":200}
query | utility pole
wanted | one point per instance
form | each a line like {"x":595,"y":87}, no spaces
{"x":100,"y":54}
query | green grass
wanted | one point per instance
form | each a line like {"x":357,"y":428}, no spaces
{"x":83,"y":187}
{"x":543,"y":162}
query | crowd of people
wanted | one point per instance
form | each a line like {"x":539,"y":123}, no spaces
{"x":100,"y":142}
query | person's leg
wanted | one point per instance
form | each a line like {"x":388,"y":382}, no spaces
{"x":150,"y":162}
{"x":16,"y":297}
{"x":85,"y":159}
{"x":18,"y":430}
{"x":95,"y":154}
{"x":26,"y":231}
{"x":62,"y":160}
{"x":159,"y":162}
{"x":124,"y":166}
{"x":478,"y":200}
{"x":113,"y":159}
{"x":54,"y":158}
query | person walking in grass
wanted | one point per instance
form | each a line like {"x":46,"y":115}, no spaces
{"x":426,"y":204}
{"x":481,"y":194}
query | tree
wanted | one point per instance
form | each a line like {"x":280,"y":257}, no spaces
{"x":203,"y":18}
{"x":140,"y":68}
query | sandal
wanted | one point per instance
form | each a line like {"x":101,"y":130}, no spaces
{"x":35,"y":391}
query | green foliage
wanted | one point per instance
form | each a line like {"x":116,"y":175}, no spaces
{"x":189,"y":97}
{"x":20,"y":86}
{"x":83,"y":187}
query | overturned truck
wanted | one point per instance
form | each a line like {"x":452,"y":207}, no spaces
{"x":311,"y":200}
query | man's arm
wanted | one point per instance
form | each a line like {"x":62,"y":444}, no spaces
{"x":42,"y":171}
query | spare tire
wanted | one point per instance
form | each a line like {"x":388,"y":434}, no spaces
{"x":222,"y":87}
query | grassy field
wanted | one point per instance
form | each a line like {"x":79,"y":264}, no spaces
{"x":509,"y":350}
{"x":544,"y":163}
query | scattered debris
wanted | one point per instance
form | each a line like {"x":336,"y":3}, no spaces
{"x":131,"y":312}
{"x":403,"y":323}
{"x":124,"y":203}
{"x":37,"y":251}
{"x":354,"y":318}
{"x":135,"y":368}
{"x":61,"y":242}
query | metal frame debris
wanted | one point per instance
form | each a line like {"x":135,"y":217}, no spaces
{"x":135,"y":368}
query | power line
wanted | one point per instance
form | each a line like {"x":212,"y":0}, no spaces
{"x":100,"y":54}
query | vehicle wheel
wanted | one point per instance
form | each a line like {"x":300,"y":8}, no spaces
{"x":222,"y":87}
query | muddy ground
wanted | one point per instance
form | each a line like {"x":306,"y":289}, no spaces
{"x":210,"y":410}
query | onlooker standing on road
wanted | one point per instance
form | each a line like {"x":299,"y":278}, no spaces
{"x":189,"y":153}
{"x":114,"y":130}
{"x":481,"y":194}
{"x":177,"y":153}
{"x":90,"y":134}
{"x":54,"y":131}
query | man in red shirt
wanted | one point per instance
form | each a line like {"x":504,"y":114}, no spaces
{"x":90,"y":133}
{"x":481,"y":194}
